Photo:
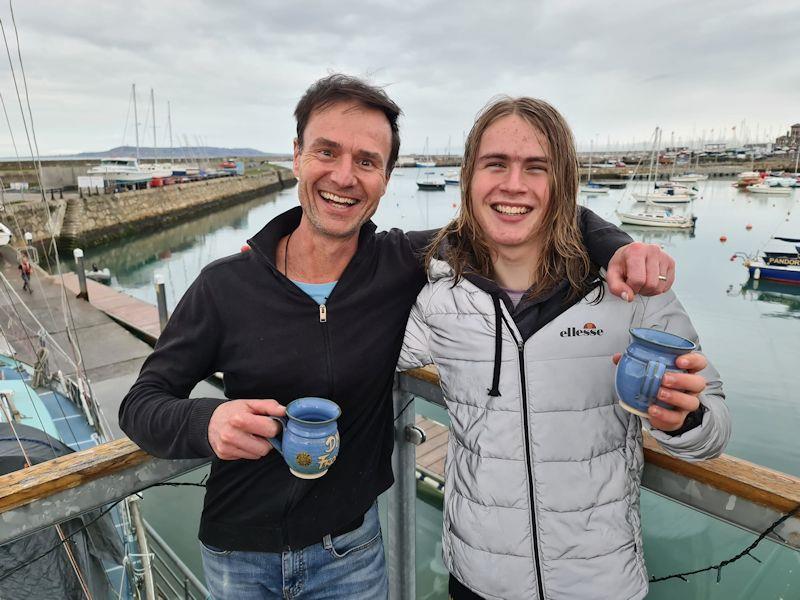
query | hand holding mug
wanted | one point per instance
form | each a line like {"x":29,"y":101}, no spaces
{"x":239,"y":428}
{"x":678,"y":390}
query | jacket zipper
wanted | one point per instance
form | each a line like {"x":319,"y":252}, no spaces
{"x":323,"y":320}
{"x":523,"y":386}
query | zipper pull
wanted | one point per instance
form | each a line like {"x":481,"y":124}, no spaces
{"x":323,"y":313}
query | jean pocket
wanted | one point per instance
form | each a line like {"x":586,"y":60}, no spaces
{"x":213,"y":550}
{"x":357,"y":540}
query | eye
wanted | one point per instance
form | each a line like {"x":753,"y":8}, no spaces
{"x":495,"y":165}
{"x":365,"y":162}
{"x":325,"y":152}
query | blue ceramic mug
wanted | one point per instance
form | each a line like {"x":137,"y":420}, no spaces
{"x":643,"y":364}
{"x":310,"y":440}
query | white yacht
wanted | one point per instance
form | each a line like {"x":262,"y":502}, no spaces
{"x":690,"y":178}
{"x":764,"y":188}
{"x":656,"y":217}
{"x":122,"y":171}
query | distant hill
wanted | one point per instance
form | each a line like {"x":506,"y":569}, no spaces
{"x":192,"y":152}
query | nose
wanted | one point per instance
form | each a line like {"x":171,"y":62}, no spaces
{"x":342,"y":174}
{"x":513,"y":182}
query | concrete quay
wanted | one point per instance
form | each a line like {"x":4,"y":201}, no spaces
{"x":110,"y":355}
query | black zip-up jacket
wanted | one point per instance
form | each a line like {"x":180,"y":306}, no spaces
{"x":244,"y":318}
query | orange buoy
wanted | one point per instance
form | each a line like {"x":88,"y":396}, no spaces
{"x":723,"y":238}
{"x":244,"y":248}
{"x":748,"y":227}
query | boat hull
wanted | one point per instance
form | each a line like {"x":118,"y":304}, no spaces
{"x":431,"y":187}
{"x":656,"y":221}
{"x":759,"y":270}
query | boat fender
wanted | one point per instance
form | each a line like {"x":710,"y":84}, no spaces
{"x":757,"y":273}
{"x":723,"y":238}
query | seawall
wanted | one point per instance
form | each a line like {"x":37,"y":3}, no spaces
{"x":88,"y":220}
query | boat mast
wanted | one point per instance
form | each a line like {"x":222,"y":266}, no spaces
{"x":797,"y":156}
{"x":169,"y":127}
{"x":591,"y":151}
{"x":153,"y":111}
{"x":135,"y":120}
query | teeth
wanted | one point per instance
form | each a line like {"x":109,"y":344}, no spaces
{"x":511,"y":210}
{"x":338,"y":199}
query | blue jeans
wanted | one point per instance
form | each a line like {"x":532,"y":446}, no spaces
{"x":349,"y":566}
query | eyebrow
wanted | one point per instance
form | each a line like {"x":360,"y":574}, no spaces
{"x":326,"y":143}
{"x":506,"y":157}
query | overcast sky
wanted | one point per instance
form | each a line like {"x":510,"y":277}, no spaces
{"x":233,"y":71}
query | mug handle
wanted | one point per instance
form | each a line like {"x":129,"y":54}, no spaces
{"x":276,"y":443}
{"x":653,"y":374}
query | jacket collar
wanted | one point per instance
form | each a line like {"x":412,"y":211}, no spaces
{"x":265,"y":242}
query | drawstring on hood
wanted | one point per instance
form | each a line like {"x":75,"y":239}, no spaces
{"x":498,"y":346}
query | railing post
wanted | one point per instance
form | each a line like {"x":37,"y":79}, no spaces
{"x":402,"y":503}
{"x":78,"y":254}
{"x":161,"y":300}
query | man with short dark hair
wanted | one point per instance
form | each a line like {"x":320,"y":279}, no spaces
{"x":317,"y":308}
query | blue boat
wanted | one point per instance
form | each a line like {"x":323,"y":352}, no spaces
{"x":786,"y":274}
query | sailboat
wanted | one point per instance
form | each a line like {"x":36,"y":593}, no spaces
{"x":124,"y":171}
{"x":651,"y":215}
{"x":592,"y":188}
{"x":427,"y":163}
{"x":157,"y":170}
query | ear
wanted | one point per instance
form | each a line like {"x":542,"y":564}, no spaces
{"x":296,"y":158}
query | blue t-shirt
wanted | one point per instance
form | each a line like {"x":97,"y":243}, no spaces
{"x":318,"y":291}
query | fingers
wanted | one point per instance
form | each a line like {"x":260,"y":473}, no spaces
{"x":679,"y":400}
{"x":683,"y":382}
{"x":267,"y":407}
{"x":652,"y":271}
{"x":616,"y":358}
{"x":238,"y":428}
{"x":236,"y":444}
{"x":635,"y":258}
{"x":666,"y":420}
{"x":692,"y":362}
{"x":666,"y":267}
{"x":265,"y":427}
{"x":615,"y":276}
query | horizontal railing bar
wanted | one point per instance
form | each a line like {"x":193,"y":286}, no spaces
{"x":78,"y":483}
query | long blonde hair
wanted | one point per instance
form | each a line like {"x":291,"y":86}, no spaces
{"x":563,"y":254}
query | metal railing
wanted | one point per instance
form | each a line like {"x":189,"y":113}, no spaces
{"x":173,"y":578}
{"x":740,"y":493}
{"x":735,"y":491}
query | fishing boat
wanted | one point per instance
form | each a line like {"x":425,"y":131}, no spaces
{"x":759,"y":269}
{"x":431,"y":184}
{"x":780,"y":250}
{"x":764,"y":188}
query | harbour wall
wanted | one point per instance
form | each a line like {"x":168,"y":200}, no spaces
{"x":88,"y":220}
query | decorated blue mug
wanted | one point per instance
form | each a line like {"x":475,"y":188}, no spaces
{"x":310,"y":440}
{"x":642,"y":367}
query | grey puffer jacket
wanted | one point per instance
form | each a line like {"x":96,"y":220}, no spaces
{"x":542,"y":481}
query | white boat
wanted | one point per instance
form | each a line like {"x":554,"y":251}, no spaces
{"x":651,"y":215}
{"x":690,"y":178}
{"x":662,"y":196}
{"x":763,"y":188}
{"x":452,"y":178}
{"x":121,"y":171}
{"x":425,"y":164}
{"x":99,"y":275}
{"x":593,"y":188}
{"x":781,"y":181}
{"x":158,"y":170}
{"x":747,"y":178}
{"x":656,"y":217}
{"x":5,"y":235}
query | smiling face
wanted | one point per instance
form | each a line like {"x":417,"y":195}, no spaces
{"x":509,"y":189}
{"x":341,"y":167}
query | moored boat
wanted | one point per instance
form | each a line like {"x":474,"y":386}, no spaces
{"x":763,"y":188}
{"x":747,"y":178}
{"x":121,"y":171}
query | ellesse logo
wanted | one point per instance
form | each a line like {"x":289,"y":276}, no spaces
{"x":587,"y":329}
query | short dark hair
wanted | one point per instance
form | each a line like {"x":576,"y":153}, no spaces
{"x":339,"y":87}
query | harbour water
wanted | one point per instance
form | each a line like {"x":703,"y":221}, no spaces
{"x":750,"y":332}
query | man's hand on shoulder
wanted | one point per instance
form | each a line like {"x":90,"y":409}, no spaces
{"x":239,"y":428}
{"x":639,"y":268}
